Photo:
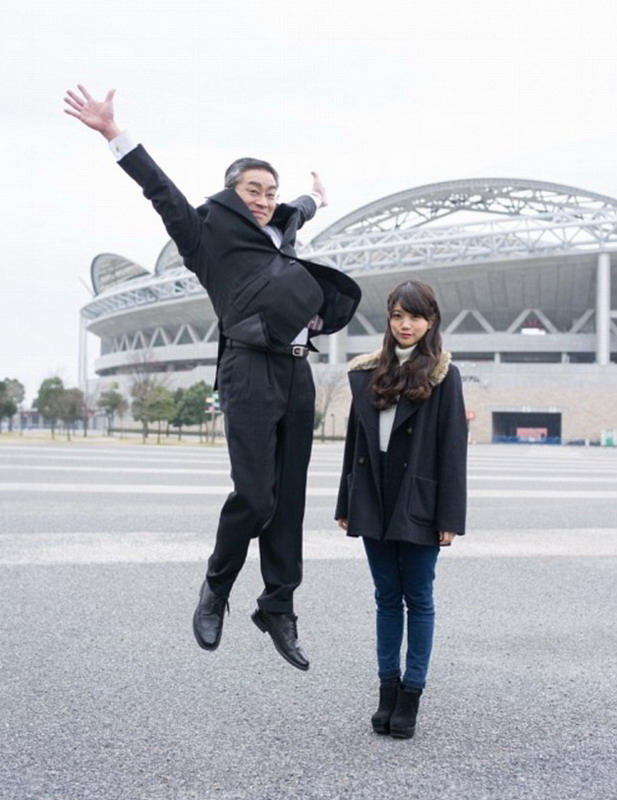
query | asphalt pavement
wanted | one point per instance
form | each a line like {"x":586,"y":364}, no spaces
{"x":104,"y":693}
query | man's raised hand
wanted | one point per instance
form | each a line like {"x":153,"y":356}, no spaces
{"x":96,"y":114}
{"x":319,"y":188}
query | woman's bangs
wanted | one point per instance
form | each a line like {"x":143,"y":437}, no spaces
{"x":411,"y":300}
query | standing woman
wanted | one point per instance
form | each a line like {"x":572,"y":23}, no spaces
{"x":403,"y":488}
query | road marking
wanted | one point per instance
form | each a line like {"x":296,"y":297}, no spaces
{"x":312,"y":491}
{"x":315,"y":472}
{"x":119,"y":470}
{"x":147,"y":547}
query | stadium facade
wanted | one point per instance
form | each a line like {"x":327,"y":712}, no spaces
{"x":522,"y":269}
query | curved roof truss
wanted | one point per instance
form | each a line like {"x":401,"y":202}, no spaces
{"x":526,"y":219}
{"x":508,"y":197}
{"x":446,"y":246}
{"x":172,"y":285}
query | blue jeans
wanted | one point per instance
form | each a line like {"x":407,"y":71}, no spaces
{"x":403,"y":571}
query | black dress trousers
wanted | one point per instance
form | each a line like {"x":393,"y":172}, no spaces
{"x":268,"y":402}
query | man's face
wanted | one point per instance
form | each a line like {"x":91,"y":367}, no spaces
{"x":258,"y":190}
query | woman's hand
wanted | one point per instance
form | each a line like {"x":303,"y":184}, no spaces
{"x":446,"y":538}
{"x":342,"y":523}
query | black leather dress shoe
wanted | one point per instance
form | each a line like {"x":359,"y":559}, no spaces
{"x":208,"y":618}
{"x":284,"y":634}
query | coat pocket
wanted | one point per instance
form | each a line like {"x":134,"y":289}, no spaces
{"x":250,"y":291}
{"x":422,"y":500}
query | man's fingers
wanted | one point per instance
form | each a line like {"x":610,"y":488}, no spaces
{"x":73,"y":100}
{"x":84,"y":91}
{"x":110,"y":95}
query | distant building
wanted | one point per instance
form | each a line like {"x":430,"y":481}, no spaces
{"x":522,"y":271}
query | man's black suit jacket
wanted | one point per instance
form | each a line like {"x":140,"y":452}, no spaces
{"x":262,"y":295}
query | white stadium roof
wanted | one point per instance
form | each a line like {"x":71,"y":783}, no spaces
{"x":499,"y":252}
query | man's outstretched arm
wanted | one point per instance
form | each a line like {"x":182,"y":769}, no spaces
{"x":181,"y":220}
{"x":96,"y":114}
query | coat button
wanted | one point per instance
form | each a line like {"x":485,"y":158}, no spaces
{"x":361,"y":460}
{"x":292,"y":261}
{"x":409,"y":430}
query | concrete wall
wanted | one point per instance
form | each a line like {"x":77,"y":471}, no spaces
{"x":584,"y":395}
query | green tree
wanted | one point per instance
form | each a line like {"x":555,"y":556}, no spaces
{"x":144,"y":381}
{"x":179,"y":418}
{"x":159,"y":407}
{"x":15,"y":389}
{"x":196,"y":396}
{"x":49,"y":401}
{"x":191,"y":406}
{"x":196,"y":401}
{"x":72,"y":408}
{"x":112,"y":402}
{"x":12,"y":393}
{"x":142,"y":385}
{"x":8,"y":407}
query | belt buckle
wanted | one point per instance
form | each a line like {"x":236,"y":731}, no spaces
{"x":298,"y":350}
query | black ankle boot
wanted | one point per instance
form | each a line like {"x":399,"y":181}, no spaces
{"x":403,"y":719}
{"x":387,"y":701}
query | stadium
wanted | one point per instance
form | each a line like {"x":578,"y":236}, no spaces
{"x":522,"y":271}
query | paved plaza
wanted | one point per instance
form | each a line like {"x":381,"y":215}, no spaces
{"x":104,"y":693}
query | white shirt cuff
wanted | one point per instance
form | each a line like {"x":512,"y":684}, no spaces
{"x":317,"y":198}
{"x":121,"y":145}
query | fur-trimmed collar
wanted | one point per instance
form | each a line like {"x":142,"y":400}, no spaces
{"x":369,"y":361}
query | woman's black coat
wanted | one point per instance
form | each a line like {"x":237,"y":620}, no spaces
{"x":425,"y":486}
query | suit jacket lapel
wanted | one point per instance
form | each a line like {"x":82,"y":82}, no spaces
{"x":282,"y":215}
{"x":232,"y":201}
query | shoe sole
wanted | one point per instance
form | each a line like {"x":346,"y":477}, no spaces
{"x":381,"y":730}
{"x":264,"y":629}
{"x":402,"y":734}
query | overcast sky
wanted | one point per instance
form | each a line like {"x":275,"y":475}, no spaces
{"x":377,"y":96}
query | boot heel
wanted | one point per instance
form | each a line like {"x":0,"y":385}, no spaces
{"x":255,"y":616}
{"x":387,"y":701}
{"x":403,"y":719}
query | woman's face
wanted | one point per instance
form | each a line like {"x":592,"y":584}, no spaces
{"x":407,"y":329}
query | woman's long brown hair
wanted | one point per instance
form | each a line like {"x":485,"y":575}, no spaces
{"x":410,"y":379}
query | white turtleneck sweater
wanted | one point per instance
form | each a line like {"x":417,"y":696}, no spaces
{"x":386,"y":417}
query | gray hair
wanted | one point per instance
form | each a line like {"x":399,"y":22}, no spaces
{"x":234,"y":171}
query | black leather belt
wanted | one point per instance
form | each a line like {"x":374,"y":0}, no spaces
{"x":295,"y":350}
